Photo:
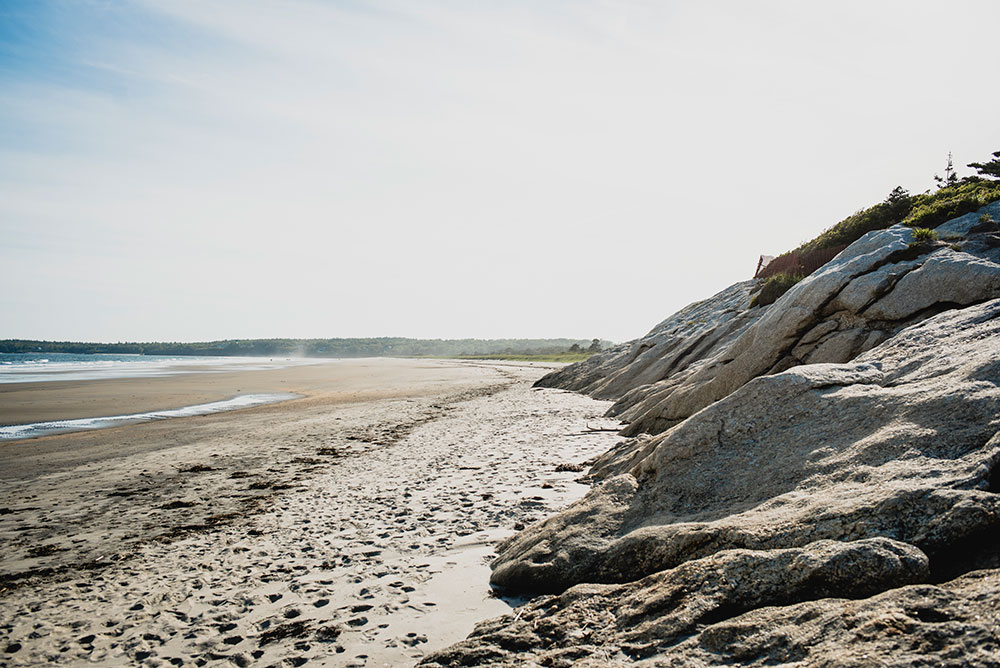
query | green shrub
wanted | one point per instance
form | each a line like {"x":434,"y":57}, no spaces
{"x":815,"y":253}
{"x":884,"y":214}
{"x":923,"y":235}
{"x":989,"y":169}
{"x":775,"y":287}
{"x":935,"y":209}
{"x":928,"y":211}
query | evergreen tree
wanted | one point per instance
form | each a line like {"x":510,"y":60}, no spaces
{"x":990,"y":169}
{"x":898,"y":194}
{"x":950,"y":177}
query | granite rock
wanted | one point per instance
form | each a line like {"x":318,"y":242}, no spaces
{"x":901,"y":443}
{"x":638,"y":619}
{"x":814,"y":482}
{"x":876,"y":287}
{"x":831,"y":514}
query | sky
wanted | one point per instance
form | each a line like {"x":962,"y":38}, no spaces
{"x":185,"y":170}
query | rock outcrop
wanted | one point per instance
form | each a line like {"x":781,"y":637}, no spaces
{"x":876,"y":287}
{"x":670,"y":352}
{"x":900,"y":443}
{"x":818,"y":482}
{"x":657,"y":623}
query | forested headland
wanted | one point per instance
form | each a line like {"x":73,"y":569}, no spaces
{"x":361,"y":347}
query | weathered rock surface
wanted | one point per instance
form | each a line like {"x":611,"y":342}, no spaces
{"x":954,"y":624}
{"x":737,"y":536}
{"x":815,"y":482}
{"x":900,"y":443}
{"x":671,"y":350}
{"x":639,"y":619}
{"x":874,"y":288}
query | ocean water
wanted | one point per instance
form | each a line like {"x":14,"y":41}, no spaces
{"x":18,"y":431}
{"x":41,"y":367}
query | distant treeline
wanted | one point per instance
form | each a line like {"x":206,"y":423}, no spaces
{"x":378,"y":347}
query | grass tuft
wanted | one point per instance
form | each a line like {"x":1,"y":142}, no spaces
{"x":924,"y":235}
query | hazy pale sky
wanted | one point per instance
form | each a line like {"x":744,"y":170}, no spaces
{"x":199,"y":169}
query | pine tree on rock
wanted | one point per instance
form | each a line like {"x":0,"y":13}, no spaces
{"x":989,"y":169}
{"x":950,"y":178}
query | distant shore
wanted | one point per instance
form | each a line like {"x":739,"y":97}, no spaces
{"x":386,"y":346}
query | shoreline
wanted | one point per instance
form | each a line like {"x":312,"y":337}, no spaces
{"x":40,"y":429}
{"x":321,"y":385}
{"x":41,"y":401}
{"x":50,"y":400}
{"x":67,"y":367}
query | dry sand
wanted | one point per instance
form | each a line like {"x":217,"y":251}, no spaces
{"x":350,"y":527}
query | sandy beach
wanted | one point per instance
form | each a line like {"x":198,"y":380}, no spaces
{"x":350,"y":527}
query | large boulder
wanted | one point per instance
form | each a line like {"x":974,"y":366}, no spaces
{"x":665,"y":608}
{"x":830,"y":514}
{"x":873,"y":289}
{"x":901,"y":443}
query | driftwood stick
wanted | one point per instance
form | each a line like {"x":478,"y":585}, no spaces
{"x":589,"y":428}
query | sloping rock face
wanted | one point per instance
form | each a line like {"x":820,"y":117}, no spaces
{"x":816,"y":482}
{"x":672,"y":350}
{"x":874,"y":288}
{"x":740,"y":534}
{"x":900,"y":443}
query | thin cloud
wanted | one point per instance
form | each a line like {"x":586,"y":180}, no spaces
{"x":443,"y":169}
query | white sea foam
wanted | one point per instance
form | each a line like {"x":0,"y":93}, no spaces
{"x":19,"y":431}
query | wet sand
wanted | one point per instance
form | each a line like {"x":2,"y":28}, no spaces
{"x":350,"y":527}
{"x":333,"y":380}
{"x":325,"y":383}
